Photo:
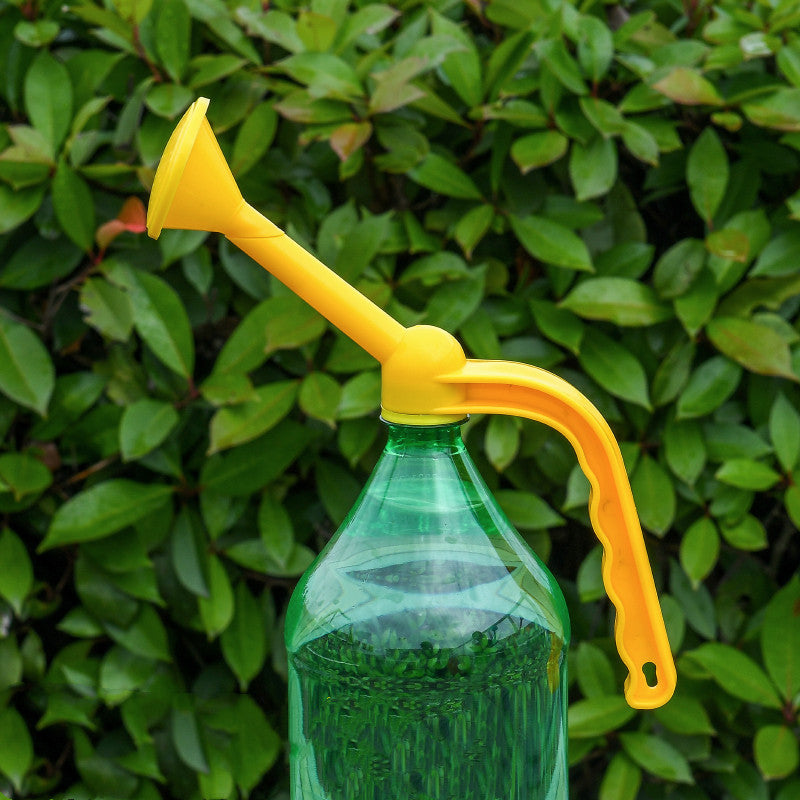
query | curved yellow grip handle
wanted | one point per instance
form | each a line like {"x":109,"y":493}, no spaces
{"x":498,"y":387}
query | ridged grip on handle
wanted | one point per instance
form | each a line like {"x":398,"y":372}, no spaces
{"x":498,"y":387}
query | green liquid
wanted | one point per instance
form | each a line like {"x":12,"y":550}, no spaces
{"x":479,"y":721}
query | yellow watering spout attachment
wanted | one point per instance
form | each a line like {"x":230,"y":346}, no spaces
{"x":428,"y":380}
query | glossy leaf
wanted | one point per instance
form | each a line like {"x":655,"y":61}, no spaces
{"x":776,"y":751}
{"x":619,"y":300}
{"x":593,"y":167}
{"x":216,"y":610}
{"x":27,"y":374}
{"x":244,"y":641}
{"x":597,"y":716}
{"x":16,"y":581}
{"x":755,"y":346}
{"x":654,"y":495}
{"x":707,"y":174}
{"x":688,"y":87}
{"x":780,"y":639}
{"x":246,"y":421}
{"x":551,"y":242}
{"x":737,"y":674}
{"x":657,"y":756}
{"x":709,"y":386}
{"x":699,"y":549}
{"x":621,"y":780}
{"x":614,"y":368}
{"x":144,"y":426}
{"x":48,"y":98}
{"x":439,"y":175}
{"x":104,"y":509}
{"x":16,"y":747}
{"x":538,"y":149}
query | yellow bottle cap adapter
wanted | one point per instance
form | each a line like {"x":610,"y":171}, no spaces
{"x":428,"y":380}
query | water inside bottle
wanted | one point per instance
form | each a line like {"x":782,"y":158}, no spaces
{"x":474,"y":712}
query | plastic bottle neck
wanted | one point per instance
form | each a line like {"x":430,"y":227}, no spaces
{"x":408,"y":439}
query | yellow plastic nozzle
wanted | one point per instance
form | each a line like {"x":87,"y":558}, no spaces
{"x":427,"y":378}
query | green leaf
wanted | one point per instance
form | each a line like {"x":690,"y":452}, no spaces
{"x":471,"y":228}
{"x":780,"y":256}
{"x":614,"y":368}
{"x":744,"y":473}
{"x":250,"y":466}
{"x":159,"y":317}
{"x":325,"y":74}
{"x":603,"y":116}
{"x":756,"y":347}
{"x":233,"y":425}
{"x":654,"y":494}
{"x":16,"y":747}
{"x":779,"y":111}
{"x":275,"y":528}
{"x":621,"y":780}
{"x":39,"y":262}
{"x":216,"y":610}
{"x":74,"y":206}
{"x":729,"y":243}
{"x":551,"y":242}
{"x":678,"y":268}
{"x":746,"y":534}
{"x":144,"y":426}
{"x":16,"y":580}
{"x":641,"y":143}
{"x":538,"y":149}
{"x":145,"y":636}
{"x":501,"y":442}
{"x":319,"y":397}
{"x":657,"y":757}
{"x":595,"y":49}
{"x":23,"y":475}
{"x":108,"y":309}
{"x":737,"y":674}
{"x":462,"y":67}
{"x":48,"y":98}
{"x":173,"y":31}
{"x":244,"y":641}
{"x":17,"y":205}
{"x":257,"y":744}
{"x":188,"y":548}
{"x":709,"y":386}
{"x":776,"y":751}
{"x":619,"y":300}
{"x":593,"y":167}
{"x":688,"y":86}
{"x":593,"y":667}
{"x":699,"y":549}
{"x":442,"y":176}
{"x":277,"y":323}
{"x":685,"y":715}
{"x":186,"y":735}
{"x":166,"y":100}
{"x":780,"y":639}
{"x":707,"y":174}
{"x":597,"y":716}
{"x":527,"y":511}
{"x":695,"y":307}
{"x":253,"y":139}
{"x":685,"y":449}
{"x":554,"y":53}
{"x":103,"y":509}
{"x":27,"y":375}
{"x":558,"y":324}
{"x":361,"y":395}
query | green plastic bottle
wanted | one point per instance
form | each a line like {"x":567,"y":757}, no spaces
{"x":427,"y":643}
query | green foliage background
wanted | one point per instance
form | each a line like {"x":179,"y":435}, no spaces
{"x":606,"y":190}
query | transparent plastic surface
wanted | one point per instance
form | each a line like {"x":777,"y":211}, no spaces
{"x":427,"y":644}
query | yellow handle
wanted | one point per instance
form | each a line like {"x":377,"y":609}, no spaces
{"x":497,"y":387}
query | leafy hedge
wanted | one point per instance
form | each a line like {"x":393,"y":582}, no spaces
{"x":608,"y":191}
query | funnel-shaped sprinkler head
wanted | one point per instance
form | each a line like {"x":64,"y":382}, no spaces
{"x":193,"y":188}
